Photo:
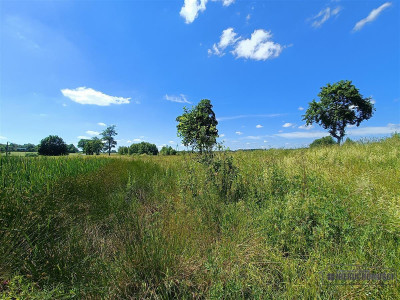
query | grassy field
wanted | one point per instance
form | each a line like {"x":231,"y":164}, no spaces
{"x":259,"y":224}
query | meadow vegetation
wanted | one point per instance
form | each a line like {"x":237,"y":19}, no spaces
{"x":258,"y":224}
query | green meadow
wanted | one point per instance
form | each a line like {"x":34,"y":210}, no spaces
{"x":237,"y":225}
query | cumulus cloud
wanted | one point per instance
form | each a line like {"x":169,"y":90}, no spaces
{"x":324,"y":15}
{"x":301,"y":108}
{"x":191,"y":8}
{"x":93,"y":133}
{"x":286,"y":125}
{"x":102,"y":124}
{"x":179,"y":99}
{"x":258,"y":47}
{"x":228,"y":37}
{"x":259,"y":126}
{"x":83,"y":95}
{"x":372,"y":16}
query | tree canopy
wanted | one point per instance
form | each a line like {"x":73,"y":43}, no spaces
{"x":198,"y":127}
{"x":53,"y":145}
{"x":93,"y":146}
{"x":167,"y":150}
{"x":108,"y":138}
{"x":340,"y":104}
{"x":143,"y":148}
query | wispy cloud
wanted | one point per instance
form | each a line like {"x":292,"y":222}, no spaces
{"x":102,"y":124}
{"x":2,"y":137}
{"x":179,"y":99}
{"x":228,"y":37}
{"x":305,"y":127}
{"x":372,"y":16}
{"x":191,"y":8}
{"x":286,"y":125}
{"x":389,"y":129}
{"x":83,"y":95}
{"x":324,"y":15}
{"x":302,"y":134}
{"x":239,"y":132}
{"x":93,"y":133}
{"x":300,"y":108}
{"x":83,"y":137}
{"x":249,"y":116}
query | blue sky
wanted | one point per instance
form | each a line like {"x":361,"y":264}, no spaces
{"x":71,"y":67}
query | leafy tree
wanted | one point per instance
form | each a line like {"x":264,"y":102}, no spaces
{"x":82,"y":143}
{"x":143,"y":148}
{"x":123,"y":150}
{"x":340,"y":104}
{"x":198,"y":127}
{"x":93,"y":146}
{"x":108,"y":137}
{"x":168,"y":150}
{"x":72,"y":149}
{"x":53,"y":145}
{"x":324,"y":141}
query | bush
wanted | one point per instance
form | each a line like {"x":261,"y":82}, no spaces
{"x":168,"y":150}
{"x":325,"y":141}
{"x":53,"y":145}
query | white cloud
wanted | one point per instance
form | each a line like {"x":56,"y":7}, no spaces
{"x":64,"y":104}
{"x":371,"y":17}
{"x":248,"y":17}
{"x":171,"y":142}
{"x":324,"y":16}
{"x":191,"y":8}
{"x":286,"y":125}
{"x":93,"y":133}
{"x":83,"y":137}
{"x":305,"y":127}
{"x":83,"y":95}
{"x":137,"y":140}
{"x":179,"y":99}
{"x":259,"y":126}
{"x":258,"y":47}
{"x":222,"y":135}
{"x":373,"y":101}
{"x":301,"y":108}
{"x":239,"y":133}
{"x":2,"y":137}
{"x":102,"y":124}
{"x":248,"y":116}
{"x":302,"y":134}
{"x":228,"y":37}
{"x":389,"y":129}
{"x":252,"y":137}
{"x":265,"y":141}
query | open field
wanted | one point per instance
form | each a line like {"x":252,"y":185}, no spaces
{"x":258,"y":224}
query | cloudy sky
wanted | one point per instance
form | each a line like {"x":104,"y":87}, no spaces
{"x":72,"y":67}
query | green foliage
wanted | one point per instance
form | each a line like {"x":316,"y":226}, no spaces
{"x":198,"y":127}
{"x":82,"y":143}
{"x":340,"y":104}
{"x":123,"y":150}
{"x":324,"y":141}
{"x":168,"y":150}
{"x":143,"y":148}
{"x":108,"y":138}
{"x":31,"y":155}
{"x":93,"y":146}
{"x":72,"y":149}
{"x":53,"y":145}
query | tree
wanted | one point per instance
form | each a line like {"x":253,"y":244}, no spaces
{"x":198,"y":127}
{"x":93,"y":146}
{"x":168,"y":150}
{"x":324,"y":141}
{"x":53,"y":145}
{"x":108,"y":137}
{"x":82,"y":143}
{"x":72,"y":149}
{"x":340,"y":104}
{"x":143,"y":148}
{"x":123,"y":150}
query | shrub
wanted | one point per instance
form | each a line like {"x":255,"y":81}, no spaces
{"x":325,"y":141}
{"x":53,"y":145}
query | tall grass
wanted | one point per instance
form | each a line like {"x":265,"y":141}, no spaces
{"x":259,"y":224}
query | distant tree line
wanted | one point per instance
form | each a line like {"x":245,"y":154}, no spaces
{"x":139,"y":148}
